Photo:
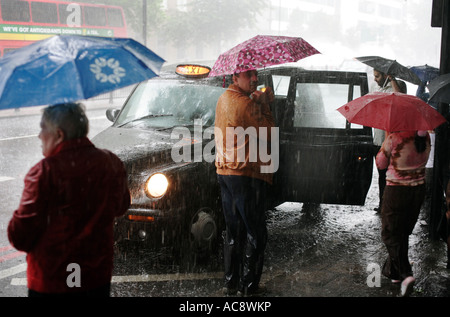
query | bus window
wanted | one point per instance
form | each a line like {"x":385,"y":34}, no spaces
{"x":94,"y":16}
{"x":13,"y":10}
{"x":115,"y":18}
{"x":72,"y":16}
{"x":44,"y":12}
{"x":64,"y":13}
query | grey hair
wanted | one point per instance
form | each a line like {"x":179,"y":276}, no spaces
{"x":69,"y":117}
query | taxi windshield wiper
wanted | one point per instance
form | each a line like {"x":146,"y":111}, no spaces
{"x":148,"y":116}
{"x":187,"y":125}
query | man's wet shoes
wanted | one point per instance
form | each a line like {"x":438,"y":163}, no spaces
{"x":229,"y":291}
{"x":259,"y":291}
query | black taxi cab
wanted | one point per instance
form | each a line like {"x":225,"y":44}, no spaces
{"x":164,"y":135}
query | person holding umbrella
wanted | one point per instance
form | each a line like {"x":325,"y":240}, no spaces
{"x":404,"y":154}
{"x":386,"y":83}
{"x":244,"y":185}
{"x":65,"y":218}
{"x":245,"y":178}
{"x":384,"y":70}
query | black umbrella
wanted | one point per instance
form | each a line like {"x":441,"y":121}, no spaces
{"x":390,"y":67}
{"x":440,"y":89}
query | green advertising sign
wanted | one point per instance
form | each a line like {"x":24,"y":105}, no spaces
{"x":52,"y":30}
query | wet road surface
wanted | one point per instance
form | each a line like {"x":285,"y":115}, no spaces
{"x":316,"y":251}
{"x":344,"y":254}
{"x":312,"y":251}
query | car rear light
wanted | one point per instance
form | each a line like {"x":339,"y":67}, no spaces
{"x":141,"y":218}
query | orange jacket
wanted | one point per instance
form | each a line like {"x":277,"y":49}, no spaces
{"x":238,"y":121}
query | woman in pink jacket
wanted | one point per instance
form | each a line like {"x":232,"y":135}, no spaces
{"x":405,"y":155}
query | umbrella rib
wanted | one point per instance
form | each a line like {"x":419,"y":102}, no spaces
{"x":391,"y":103}
{"x":78,"y":75}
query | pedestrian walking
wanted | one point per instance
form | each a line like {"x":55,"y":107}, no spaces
{"x":386,"y":83}
{"x":244,"y":184}
{"x":65,"y":217}
{"x":404,"y":155}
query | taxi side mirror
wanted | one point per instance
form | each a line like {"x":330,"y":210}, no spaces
{"x":112,"y":113}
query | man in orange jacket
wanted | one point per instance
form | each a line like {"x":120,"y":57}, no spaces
{"x":244,"y":125}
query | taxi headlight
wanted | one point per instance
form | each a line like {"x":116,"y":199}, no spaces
{"x":156,"y":185}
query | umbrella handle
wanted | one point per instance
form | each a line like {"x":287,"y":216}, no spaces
{"x":266,"y":79}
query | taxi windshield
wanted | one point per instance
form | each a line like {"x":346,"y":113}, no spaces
{"x":164,"y":104}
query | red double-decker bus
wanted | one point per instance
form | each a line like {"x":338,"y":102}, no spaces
{"x":25,"y":21}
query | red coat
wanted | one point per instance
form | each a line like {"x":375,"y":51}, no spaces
{"x":66,"y":215}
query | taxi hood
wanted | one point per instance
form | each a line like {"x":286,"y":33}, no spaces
{"x":133,"y":144}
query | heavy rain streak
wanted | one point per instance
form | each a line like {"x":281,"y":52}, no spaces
{"x":324,"y":232}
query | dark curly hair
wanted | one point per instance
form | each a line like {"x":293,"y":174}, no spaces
{"x":420,"y":142}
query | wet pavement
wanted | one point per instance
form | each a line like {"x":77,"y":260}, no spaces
{"x":332,"y":250}
{"x":312,"y":251}
{"x":345,"y":256}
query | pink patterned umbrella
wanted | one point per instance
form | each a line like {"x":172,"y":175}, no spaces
{"x":262,"y":51}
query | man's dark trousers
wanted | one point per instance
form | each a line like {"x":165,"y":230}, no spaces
{"x":244,"y":202}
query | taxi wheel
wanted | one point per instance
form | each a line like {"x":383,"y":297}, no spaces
{"x":203,"y":233}
{"x":201,"y":238}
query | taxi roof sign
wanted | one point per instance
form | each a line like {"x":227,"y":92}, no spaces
{"x":192,"y":70}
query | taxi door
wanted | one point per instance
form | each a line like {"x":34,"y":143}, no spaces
{"x":323,"y":158}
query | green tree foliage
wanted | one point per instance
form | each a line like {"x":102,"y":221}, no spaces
{"x":205,"y":21}
{"x":317,"y":25}
{"x":202,"y":21}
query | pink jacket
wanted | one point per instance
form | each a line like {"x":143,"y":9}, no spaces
{"x":405,"y":167}
{"x":66,"y":216}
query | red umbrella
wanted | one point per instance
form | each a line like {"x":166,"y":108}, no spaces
{"x":392,"y":112}
{"x":262,"y":51}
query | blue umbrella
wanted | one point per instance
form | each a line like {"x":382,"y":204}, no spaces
{"x":425,"y":72}
{"x":67,"y":68}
